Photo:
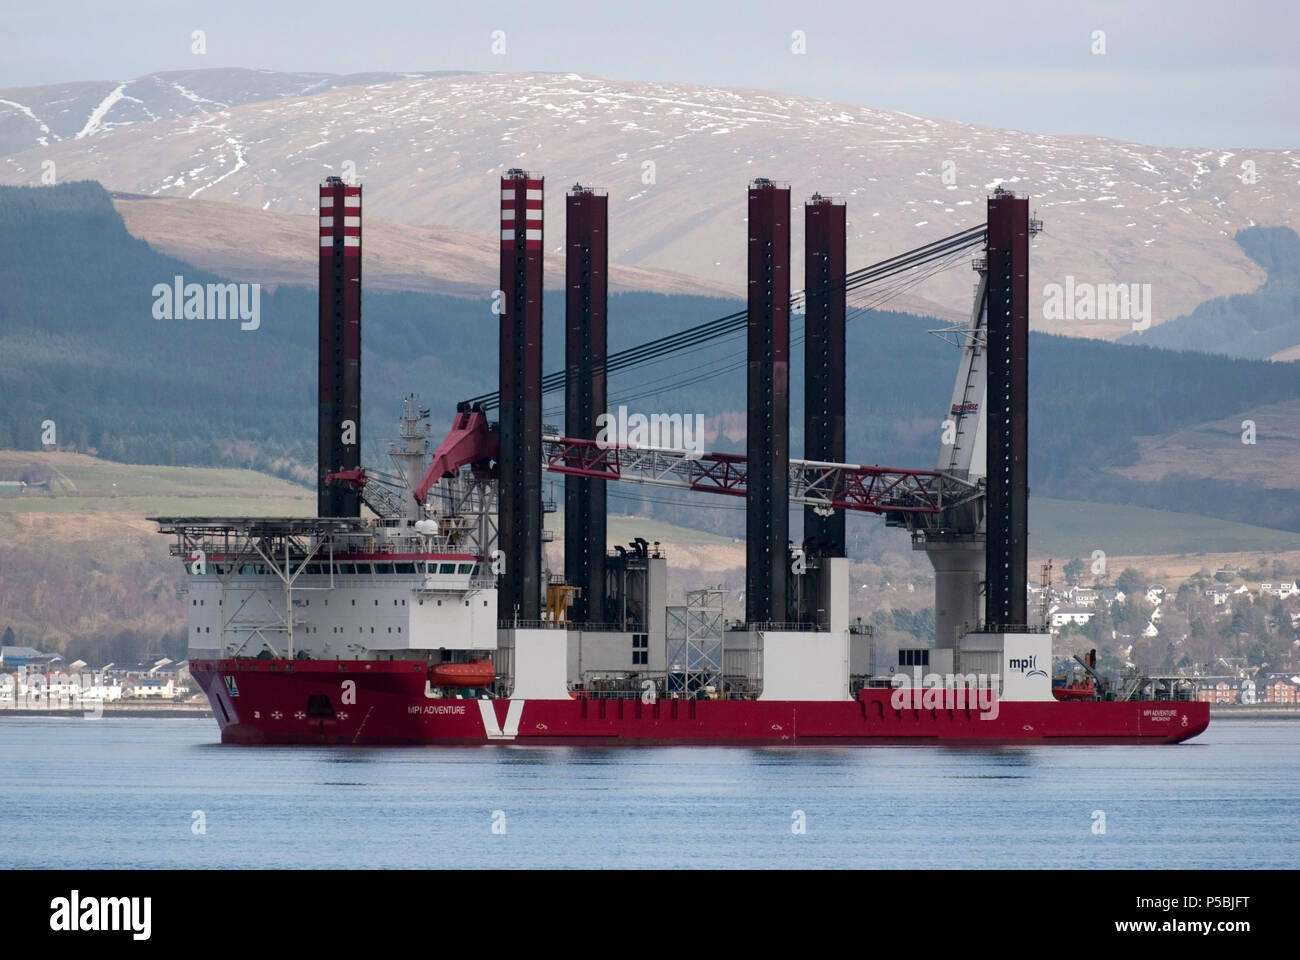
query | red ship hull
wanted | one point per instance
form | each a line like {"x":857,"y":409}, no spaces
{"x":383,"y":702}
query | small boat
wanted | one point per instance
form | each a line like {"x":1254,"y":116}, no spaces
{"x":476,"y":673}
{"x":1075,"y":691}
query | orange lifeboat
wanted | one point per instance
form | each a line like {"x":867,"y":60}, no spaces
{"x":1077,"y":691}
{"x":476,"y":673}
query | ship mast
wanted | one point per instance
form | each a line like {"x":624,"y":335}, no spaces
{"x":410,"y":451}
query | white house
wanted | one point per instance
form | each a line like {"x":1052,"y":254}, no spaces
{"x":1070,"y":614}
{"x":153,"y":688}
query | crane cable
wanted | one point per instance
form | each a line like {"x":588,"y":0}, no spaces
{"x":734,"y":322}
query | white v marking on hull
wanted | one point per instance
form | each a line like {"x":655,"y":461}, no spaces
{"x":490,"y":726}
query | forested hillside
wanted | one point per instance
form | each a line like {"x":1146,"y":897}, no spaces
{"x":80,"y":345}
{"x":1256,"y":325}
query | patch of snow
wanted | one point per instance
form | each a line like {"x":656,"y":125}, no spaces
{"x":96,"y":119}
{"x":28,"y":111}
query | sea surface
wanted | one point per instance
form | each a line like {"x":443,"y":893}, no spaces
{"x":133,"y":792}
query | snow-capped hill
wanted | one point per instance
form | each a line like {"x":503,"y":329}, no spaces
{"x":676,"y":158}
{"x":39,"y":116}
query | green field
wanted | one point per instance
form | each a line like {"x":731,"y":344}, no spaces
{"x":1058,"y":528}
{"x":1070,"y":528}
{"x":83,"y":484}
{"x":621,"y":529}
{"x":86,"y":485}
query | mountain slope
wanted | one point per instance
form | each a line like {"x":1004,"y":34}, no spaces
{"x":429,"y":150}
{"x":79,"y":345}
{"x":39,"y":116}
{"x":1262,"y":323}
{"x":259,"y":246}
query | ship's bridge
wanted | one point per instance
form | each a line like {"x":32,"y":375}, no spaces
{"x":345,"y":588}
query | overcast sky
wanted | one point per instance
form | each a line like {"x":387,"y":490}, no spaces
{"x":1174,"y":72}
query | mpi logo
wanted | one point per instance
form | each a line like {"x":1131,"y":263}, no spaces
{"x":76,"y":913}
{"x":1028,"y":666}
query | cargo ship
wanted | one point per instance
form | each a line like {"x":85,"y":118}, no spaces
{"x":418,"y":606}
{"x":385,"y":631}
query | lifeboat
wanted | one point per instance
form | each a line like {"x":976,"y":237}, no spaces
{"x":1076,"y":691}
{"x":476,"y":673}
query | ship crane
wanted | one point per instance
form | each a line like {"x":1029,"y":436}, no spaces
{"x":835,"y":486}
{"x":381,"y":493}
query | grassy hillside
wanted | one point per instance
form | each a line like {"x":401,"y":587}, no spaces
{"x":85,"y":484}
{"x":1065,"y":529}
{"x":83,"y":571}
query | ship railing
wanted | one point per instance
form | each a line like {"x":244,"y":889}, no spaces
{"x":613,"y":693}
{"x":592,"y":627}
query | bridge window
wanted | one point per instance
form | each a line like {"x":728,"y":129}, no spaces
{"x":465,"y":568}
{"x":347,"y":568}
{"x":406,"y":568}
{"x":447,"y":568}
{"x":363,"y":568}
{"x":383,"y":568}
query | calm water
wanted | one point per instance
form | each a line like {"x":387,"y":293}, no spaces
{"x":122,"y":792}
